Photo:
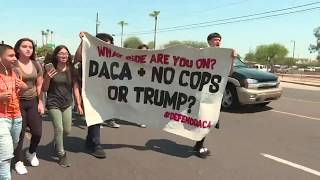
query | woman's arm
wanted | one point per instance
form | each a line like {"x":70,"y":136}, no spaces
{"x":47,"y":78}
{"x":77,"y":97}
{"x":39,"y":83}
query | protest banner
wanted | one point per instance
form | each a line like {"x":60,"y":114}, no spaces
{"x":178,"y":89}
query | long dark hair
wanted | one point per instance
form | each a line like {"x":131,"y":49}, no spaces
{"x":18,"y":44}
{"x":54,"y":56}
{"x":143,"y":46}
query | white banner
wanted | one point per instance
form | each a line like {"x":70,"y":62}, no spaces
{"x":178,"y":89}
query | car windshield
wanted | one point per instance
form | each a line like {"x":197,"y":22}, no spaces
{"x":239,"y":63}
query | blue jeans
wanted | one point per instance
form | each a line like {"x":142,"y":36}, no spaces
{"x":9,"y":137}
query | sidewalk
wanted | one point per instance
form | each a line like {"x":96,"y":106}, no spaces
{"x":300,"y":79}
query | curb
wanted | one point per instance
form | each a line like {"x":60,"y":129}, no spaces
{"x":301,"y":83}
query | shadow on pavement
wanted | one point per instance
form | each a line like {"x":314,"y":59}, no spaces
{"x":248,"y":109}
{"x":121,"y":122}
{"x":169,"y":147}
{"x":45,"y":152}
{"x":77,"y":145}
{"x":71,"y":144}
{"x":164,"y":146}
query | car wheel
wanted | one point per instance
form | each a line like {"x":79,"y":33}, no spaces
{"x":230,"y":98}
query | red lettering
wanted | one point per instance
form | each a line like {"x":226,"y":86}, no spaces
{"x":160,"y":58}
{"x":101,"y":51}
{"x":175,"y":59}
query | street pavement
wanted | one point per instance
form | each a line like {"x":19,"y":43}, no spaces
{"x":280,"y":141}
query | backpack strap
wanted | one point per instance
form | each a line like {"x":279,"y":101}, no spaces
{"x":38,"y":67}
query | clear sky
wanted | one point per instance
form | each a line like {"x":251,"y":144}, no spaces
{"x":67,"y":18}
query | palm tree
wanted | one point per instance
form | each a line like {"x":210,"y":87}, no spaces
{"x":155,"y":14}
{"x":51,"y":32}
{"x":43,"y":34}
{"x":122,"y":23}
{"x":47,"y":34}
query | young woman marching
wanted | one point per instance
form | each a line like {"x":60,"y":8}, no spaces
{"x":31,"y":105}
{"x":58,"y":84}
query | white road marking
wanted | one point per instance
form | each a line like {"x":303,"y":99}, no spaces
{"x":300,"y":100}
{"x":292,"y":114}
{"x":309,"y":170}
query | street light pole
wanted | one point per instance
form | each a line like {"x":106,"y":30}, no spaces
{"x":97,"y":23}
{"x":294,"y":47}
{"x":122,"y":23}
{"x":155,"y":14}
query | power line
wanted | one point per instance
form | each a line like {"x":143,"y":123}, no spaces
{"x":240,"y":17}
{"x":229,"y":20}
{"x":244,"y":20}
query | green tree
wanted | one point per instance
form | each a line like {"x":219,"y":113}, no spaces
{"x":151,"y":45}
{"x":195,"y":44}
{"x":250,"y":57}
{"x":132,"y":42}
{"x":270,"y":54}
{"x":43,"y":51}
{"x":316,"y":48}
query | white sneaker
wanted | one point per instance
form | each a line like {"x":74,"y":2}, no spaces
{"x":20,"y":168}
{"x":32,"y":158}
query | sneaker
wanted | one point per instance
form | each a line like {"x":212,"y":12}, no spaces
{"x":63,"y":160}
{"x":142,"y":125}
{"x":113,"y":124}
{"x":98,"y":152}
{"x":20,"y":168}
{"x":202,"y":152}
{"x":32,"y":158}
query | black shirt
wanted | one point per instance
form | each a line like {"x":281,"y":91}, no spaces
{"x":59,"y":95}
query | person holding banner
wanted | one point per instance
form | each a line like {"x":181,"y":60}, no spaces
{"x":31,"y":104}
{"x":143,"y":46}
{"x":214,"y":40}
{"x":58,"y":83}
{"x":93,"y":137}
{"x":10,"y":115}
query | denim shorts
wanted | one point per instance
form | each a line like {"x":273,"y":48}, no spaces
{"x":9,"y":136}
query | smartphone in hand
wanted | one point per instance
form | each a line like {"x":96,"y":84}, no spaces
{"x":49,"y":66}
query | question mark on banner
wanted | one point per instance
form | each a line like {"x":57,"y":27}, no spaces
{"x":193,"y":101}
{"x":213,"y":62}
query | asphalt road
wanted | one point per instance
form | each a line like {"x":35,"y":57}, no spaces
{"x":248,"y":146}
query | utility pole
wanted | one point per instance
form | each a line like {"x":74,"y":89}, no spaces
{"x":155,"y":14}
{"x":294,"y":48}
{"x":122,"y":23}
{"x":97,"y":23}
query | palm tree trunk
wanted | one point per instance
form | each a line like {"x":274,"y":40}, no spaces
{"x":155,"y":32}
{"x":121,"y":34}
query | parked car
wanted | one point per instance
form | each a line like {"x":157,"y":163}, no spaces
{"x":250,"y":86}
{"x":260,"y":67}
